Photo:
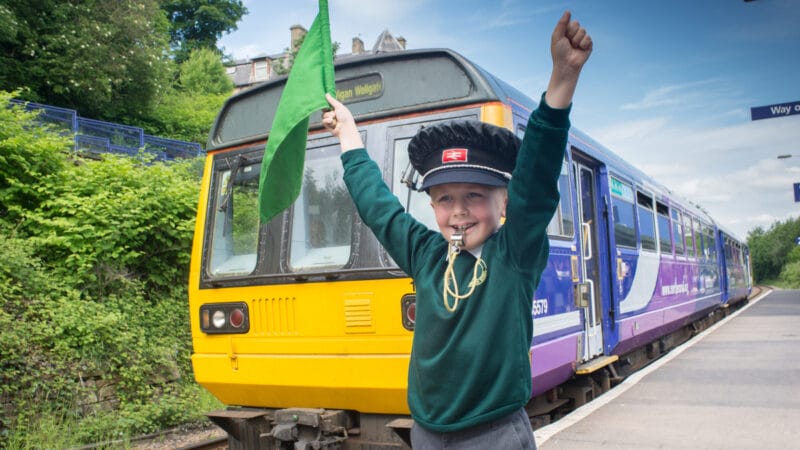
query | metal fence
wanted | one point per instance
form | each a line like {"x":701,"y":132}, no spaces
{"x":96,"y":136}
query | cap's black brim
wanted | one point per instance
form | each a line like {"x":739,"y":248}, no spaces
{"x":463,"y":175}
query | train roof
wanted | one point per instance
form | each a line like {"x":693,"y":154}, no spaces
{"x":409,"y":82}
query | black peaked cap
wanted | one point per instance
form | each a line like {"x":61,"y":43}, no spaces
{"x":464,"y":151}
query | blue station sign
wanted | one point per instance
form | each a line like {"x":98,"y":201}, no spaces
{"x":771,"y":111}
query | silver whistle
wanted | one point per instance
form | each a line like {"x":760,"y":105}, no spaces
{"x":457,"y":240}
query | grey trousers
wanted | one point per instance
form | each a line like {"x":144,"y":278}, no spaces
{"x":512,"y":432}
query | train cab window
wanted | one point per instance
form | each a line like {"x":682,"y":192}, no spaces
{"x":688,"y":237}
{"x":677,"y":232}
{"x":418,"y":203}
{"x":647,"y":221}
{"x":322,"y":216}
{"x":623,"y":212}
{"x":664,"y":237}
{"x":562,"y":223}
{"x":234,"y":238}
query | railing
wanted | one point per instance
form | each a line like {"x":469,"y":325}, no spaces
{"x":96,"y":136}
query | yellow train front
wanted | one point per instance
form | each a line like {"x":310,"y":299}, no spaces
{"x":304,"y":324}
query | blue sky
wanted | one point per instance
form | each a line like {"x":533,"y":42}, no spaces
{"x":669,"y":85}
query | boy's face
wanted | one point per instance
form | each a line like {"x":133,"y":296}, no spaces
{"x":475,"y":208}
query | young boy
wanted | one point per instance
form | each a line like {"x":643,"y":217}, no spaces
{"x":469,"y":375}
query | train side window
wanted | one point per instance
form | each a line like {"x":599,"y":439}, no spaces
{"x":234,"y":238}
{"x":647,"y":219}
{"x":688,"y":237}
{"x":699,"y":238}
{"x":727,"y":247}
{"x":664,"y":238}
{"x":677,"y":232}
{"x":712,"y":244}
{"x":562,"y":223}
{"x":623,"y":213}
{"x":322,"y":221}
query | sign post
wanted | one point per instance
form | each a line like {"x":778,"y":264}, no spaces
{"x":772,"y":111}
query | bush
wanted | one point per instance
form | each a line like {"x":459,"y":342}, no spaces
{"x":94,"y":324}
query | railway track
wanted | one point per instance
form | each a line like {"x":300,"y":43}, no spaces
{"x":220,"y":443}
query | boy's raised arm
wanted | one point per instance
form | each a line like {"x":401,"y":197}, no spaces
{"x":570,"y":47}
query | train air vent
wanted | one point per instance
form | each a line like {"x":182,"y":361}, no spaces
{"x":274,"y":316}
{"x":358,"y":315}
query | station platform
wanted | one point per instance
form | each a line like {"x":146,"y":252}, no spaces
{"x":734,"y":386}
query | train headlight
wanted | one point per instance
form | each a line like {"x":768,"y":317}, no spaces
{"x":408,"y":311}
{"x":218,"y":319}
{"x":222,"y":318}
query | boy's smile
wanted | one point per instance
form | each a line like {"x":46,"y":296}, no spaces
{"x":475,"y":210}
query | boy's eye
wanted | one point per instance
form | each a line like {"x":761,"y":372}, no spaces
{"x":444,"y":199}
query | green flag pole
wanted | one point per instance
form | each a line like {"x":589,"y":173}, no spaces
{"x":310,"y":79}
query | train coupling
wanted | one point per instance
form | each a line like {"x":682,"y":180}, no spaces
{"x":310,"y":428}
{"x":297,"y":428}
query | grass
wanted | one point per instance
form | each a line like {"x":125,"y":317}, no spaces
{"x":55,"y":429}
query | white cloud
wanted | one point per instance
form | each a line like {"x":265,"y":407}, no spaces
{"x":732,"y":171}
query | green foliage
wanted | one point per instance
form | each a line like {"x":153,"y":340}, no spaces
{"x":28,"y":152}
{"x":790,"y":274}
{"x":117,"y":219}
{"x":184,"y":115}
{"x":770,"y":250}
{"x":105,"y":59}
{"x":94,"y":328}
{"x":189,"y":110}
{"x":196,"y":24}
{"x":203,"y":73}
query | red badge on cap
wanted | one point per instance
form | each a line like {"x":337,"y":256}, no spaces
{"x":453,"y":155}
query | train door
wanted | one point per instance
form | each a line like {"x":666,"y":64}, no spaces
{"x":586,"y":176}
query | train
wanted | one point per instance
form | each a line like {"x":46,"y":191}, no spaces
{"x":302,"y":326}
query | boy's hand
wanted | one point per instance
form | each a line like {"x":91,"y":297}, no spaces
{"x":570,"y":47}
{"x":341,"y":124}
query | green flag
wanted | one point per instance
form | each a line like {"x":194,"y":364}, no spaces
{"x":310,"y":78}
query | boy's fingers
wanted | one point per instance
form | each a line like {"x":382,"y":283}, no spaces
{"x":332,"y":101}
{"x":561,"y":26}
{"x":578,"y":38}
{"x":586,"y":43}
{"x":572,"y":29}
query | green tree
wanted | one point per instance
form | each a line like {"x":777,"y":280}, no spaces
{"x":770,"y":249}
{"x":107,"y":59}
{"x":196,"y":24}
{"x":203,"y":73}
{"x":189,"y":108}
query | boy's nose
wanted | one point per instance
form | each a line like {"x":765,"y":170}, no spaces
{"x":461,"y":208}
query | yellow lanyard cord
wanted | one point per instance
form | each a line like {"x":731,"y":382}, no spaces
{"x":478,"y":277}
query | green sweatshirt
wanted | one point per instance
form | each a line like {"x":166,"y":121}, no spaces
{"x":472,"y":365}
